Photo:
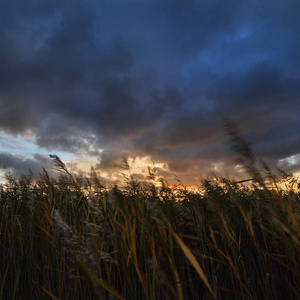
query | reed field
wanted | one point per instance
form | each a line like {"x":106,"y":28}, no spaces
{"x":74,"y":238}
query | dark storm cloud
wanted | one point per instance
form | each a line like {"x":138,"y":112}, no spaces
{"x":18,"y":164}
{"x":152,"y":78}
{"x":111,"y":159}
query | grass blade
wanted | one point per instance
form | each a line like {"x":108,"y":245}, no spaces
{"x":193,"y":261}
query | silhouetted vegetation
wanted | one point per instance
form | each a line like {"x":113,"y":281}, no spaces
{"x":73,"y":238}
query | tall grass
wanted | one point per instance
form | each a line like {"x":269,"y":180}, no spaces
{"x":72,"y":238}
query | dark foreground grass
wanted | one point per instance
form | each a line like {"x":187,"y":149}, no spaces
{"x":70,"y":238}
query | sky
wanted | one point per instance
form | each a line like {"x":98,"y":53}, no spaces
{"x":152,"y":81}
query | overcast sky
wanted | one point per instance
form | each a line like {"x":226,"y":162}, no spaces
{"x":99,"y":80}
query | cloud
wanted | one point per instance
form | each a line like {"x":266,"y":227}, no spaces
{"x":110,"y":159}
{"x":292,"y":164}
{"x":151,"y":79}
{"x":18,"y":164}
